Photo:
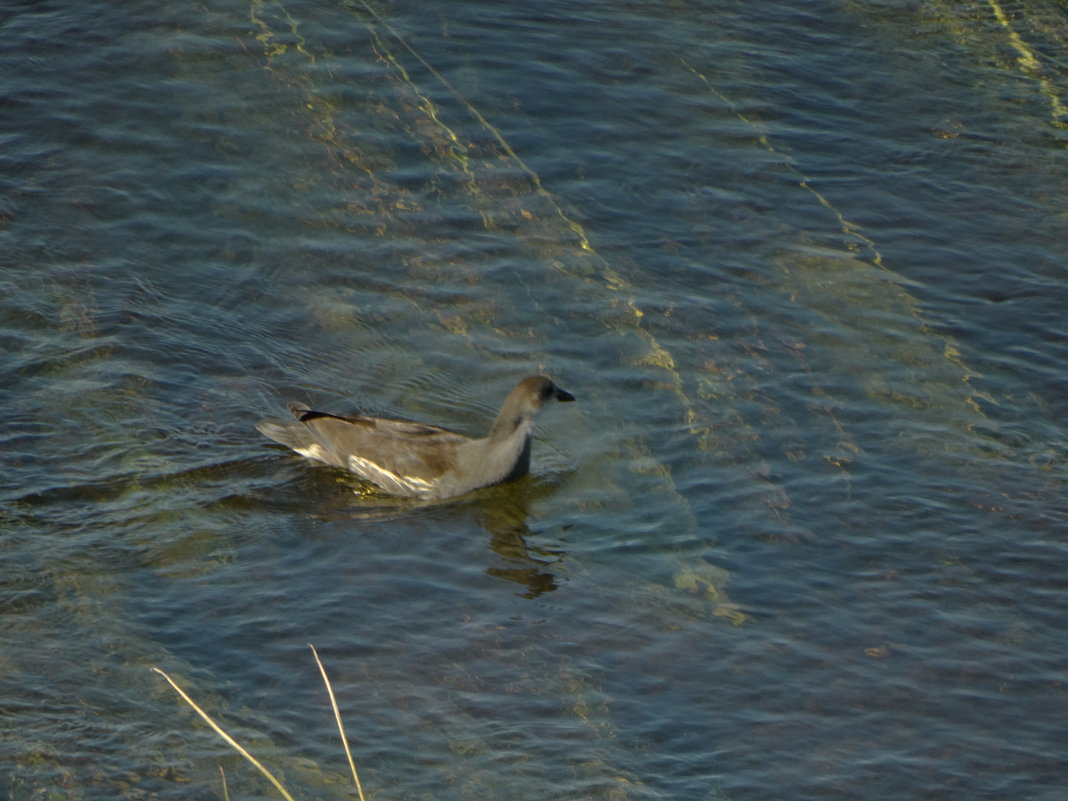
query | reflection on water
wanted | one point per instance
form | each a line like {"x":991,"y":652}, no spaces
{"x":502,"y":512}
{"x":803,"y":266}
{"x":528,"y":565}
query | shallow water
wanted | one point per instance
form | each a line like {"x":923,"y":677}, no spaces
{"x":803,"y":266}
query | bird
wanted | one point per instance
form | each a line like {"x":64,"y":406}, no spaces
{"x":416,"y":460}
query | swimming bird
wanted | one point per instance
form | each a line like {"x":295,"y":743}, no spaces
{"x":416,"y":460}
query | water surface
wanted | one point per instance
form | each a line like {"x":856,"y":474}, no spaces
{"x":802,"y":264}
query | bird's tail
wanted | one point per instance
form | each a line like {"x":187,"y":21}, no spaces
{"x":292,"y":435}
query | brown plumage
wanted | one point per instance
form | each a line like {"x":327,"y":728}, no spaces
{"x":417,"y":460}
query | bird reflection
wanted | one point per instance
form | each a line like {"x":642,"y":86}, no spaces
{"x":502,"y":511}
{"x":504,"y":516}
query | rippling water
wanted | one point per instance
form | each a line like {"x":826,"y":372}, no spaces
{"x":802,"y":264}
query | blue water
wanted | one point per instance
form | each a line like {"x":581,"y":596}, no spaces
{"x":801,"y":536}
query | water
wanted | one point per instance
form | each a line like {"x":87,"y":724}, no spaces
{"x":802,"y":264}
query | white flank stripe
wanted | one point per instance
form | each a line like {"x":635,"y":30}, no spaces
{"x":314,"y":451}
{"x":387,"y":478}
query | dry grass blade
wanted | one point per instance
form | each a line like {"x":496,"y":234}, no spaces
{"x":233,"y":743}
{"x":337,"y":717}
